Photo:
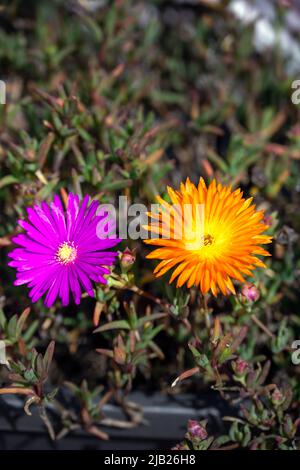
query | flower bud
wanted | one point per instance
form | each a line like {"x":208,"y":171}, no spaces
{"x":295,"y":131}
{"x":268,"y":220}
{"x":127,"y":259}
{"x":250,"y":292}
{"x":277,"y":397}
{"x":240,"y":367}
{"x":196,"y":430}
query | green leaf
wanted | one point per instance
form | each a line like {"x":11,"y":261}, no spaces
{"x":34,"y":355}
{"x":12,"y":327}
{"x":3,"y":320}
{"x":203,"y":361}
{"x":51,"y":395}
{"x":49,"y":356}
{"x":219,"y":441}
{"x":284,"y":334}
{"x":225,"y":355}
{"x":21,"y":322}
{"x":6,"y":180}
{"x":114,"y":325}
{"x":40,"y":369}
{"x":168,"y":97}
{"x":247,"y":436}
{"x":204,"y":445}
{"x":150,"y":333}
{"x":30,"y":330}
{"x":116,"y":185}
{"x":47,"y":189}
{"x":150,"y":318}
{"x":30,"y":376}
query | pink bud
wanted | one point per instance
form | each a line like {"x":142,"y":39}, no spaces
{"x":295,"y":131}
{"x":196,"y":430}
{"x":127,"y":258}
{"x":250,"y":292}
{"x":277,"y":397}
{"x":286,"y":3}
{"x":240,"y":366}
{"x":268,"y":220}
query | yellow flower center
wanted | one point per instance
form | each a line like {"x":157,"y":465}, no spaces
{"x":199,"y":242}
{"x":208,"y":240}
{"x":66,"y":253}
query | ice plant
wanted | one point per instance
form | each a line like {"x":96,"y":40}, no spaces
{"x":217,"y":241}
{"x":62,"y":250}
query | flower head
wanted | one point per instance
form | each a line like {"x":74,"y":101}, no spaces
{"x":211,"y":234}
{"x":63,"y":250}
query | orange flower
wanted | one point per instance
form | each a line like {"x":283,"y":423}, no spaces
{"x":212,"y":235}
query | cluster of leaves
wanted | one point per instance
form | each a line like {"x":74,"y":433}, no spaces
{"x":266,"y":415}
{"x":28,"y":377}
{"x":121,"y":98}
{"x":13,"y":334}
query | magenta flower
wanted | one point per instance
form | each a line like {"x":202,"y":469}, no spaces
{"x":63,"y":251}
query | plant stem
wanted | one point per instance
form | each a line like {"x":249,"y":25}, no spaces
{"x":262,"y":326}
{"x":142,"y":293}
{"x":47,"y":422}
{"x":206,"y":312}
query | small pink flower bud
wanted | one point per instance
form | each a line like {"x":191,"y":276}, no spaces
{"x":250,"y":292}
{"x":196,"y":430}
{"x":127,"y":258}
{"x":240,"y":366}
{"x":286,"y":3}
{"x":277,"y":397}
{"x":268,"y":220}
